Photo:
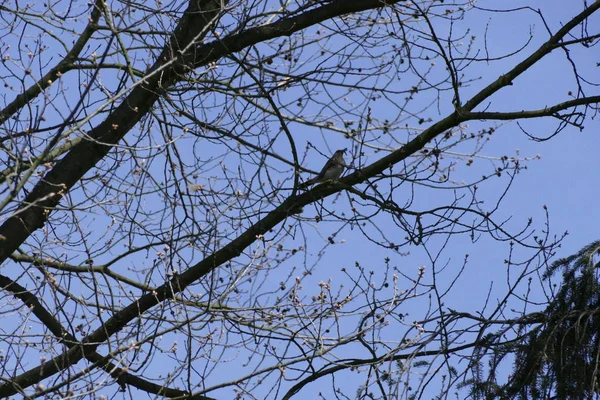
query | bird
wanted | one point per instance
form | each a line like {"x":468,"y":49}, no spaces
{"x":333,"y":169}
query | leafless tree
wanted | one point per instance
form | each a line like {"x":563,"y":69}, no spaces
{"x":153,"y":236}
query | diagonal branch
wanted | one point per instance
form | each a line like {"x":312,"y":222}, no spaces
{"x":60,"y":68}
{"x":70,"y":341}
{"x":545,"y":49}
{"x":33,"y":211}
{"x":178,"y":283}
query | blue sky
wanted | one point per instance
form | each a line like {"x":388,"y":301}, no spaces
{"x":561,"y":174}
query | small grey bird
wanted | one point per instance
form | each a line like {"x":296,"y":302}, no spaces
{"x":333,"y":169}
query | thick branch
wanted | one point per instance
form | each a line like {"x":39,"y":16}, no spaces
{"x":71,"y":342}
{"x":32,"y":213}
{"x":284,"y":27}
